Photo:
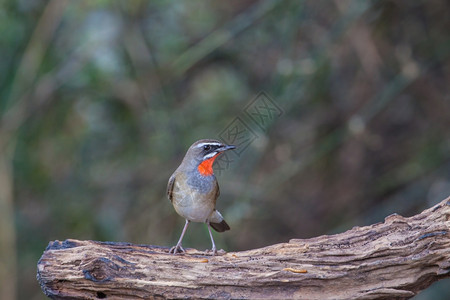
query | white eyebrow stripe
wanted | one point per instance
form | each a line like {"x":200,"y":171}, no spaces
{"x":211,"y":155}
{"x":208,"y":143}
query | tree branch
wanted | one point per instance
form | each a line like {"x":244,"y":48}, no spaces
{"x":394,"y":259}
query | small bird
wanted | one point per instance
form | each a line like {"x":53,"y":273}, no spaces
{"x":193,"y":189}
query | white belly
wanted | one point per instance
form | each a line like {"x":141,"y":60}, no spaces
{"x":192,"y":205}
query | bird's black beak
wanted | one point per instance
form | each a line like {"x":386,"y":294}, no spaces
{"x":226,"y":147}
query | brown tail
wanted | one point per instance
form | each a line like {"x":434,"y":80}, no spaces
{"x":220,"y":227}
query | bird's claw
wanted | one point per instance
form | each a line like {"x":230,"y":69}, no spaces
{"x":177,"y":249}
{"x":212,"y":252}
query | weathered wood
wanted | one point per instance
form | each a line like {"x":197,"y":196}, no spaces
{"x":394,"y":259}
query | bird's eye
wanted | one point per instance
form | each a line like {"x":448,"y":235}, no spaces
{"x":207,"y":147}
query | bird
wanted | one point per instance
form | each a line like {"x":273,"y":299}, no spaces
{"x":193,"y":189}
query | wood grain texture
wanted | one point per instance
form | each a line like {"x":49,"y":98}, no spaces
{"x":394,"y":259}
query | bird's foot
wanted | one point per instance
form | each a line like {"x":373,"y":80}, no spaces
{"x":177,"y":249}
{"x":212,"y":252}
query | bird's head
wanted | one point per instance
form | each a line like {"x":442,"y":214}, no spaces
{"x":203,"y":153}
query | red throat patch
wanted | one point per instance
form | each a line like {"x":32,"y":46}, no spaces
{"x":205,"y":167}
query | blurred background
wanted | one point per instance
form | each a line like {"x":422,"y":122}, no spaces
{"x":340,"y":109}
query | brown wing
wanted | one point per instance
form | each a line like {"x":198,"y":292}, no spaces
{"x":222,"y":226}
{"x":170,"y":185}
{"x":217,"y":193}
{"x":217,"y":190}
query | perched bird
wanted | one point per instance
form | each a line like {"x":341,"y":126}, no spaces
{"x":193,"y":189}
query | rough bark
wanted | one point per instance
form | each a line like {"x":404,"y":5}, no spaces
{"x":394,"y":259}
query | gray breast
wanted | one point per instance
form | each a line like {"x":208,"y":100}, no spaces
{"x":202,"y":184}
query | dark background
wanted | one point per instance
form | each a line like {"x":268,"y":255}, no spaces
{"x":99,"y":101}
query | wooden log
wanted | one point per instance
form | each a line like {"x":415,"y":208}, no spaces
{"x":395,"y":259}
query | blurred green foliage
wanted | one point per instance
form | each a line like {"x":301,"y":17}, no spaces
{"x":99,"y":101}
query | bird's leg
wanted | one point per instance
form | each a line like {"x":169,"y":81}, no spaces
{"x":214,"y":250}
{"x":178,"y":249}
